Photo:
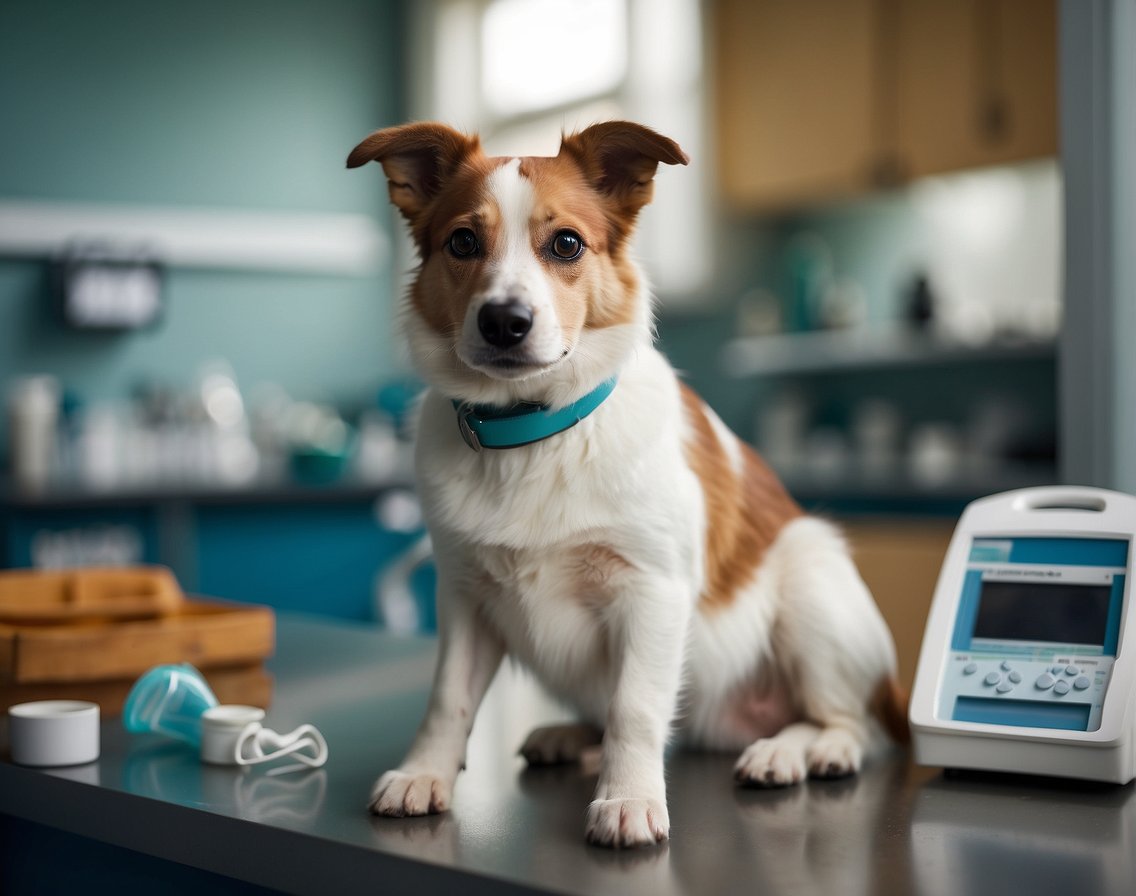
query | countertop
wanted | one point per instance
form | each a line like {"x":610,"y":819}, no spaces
{"x":265,"y":490}
{"x":895,"y":828}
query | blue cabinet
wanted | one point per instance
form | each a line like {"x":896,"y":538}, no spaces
{"x":317,"y":558}
{"x":302,"y":549}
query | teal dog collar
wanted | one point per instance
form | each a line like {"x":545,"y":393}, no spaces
{"x":486,"y":426}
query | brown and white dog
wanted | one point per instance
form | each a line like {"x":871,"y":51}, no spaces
{"x":644,"y":563}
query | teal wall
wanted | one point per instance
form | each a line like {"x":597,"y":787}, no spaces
{"x":245,"y":104}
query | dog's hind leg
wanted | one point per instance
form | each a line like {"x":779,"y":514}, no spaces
{"x":560,"y":744}
{"x":777,"y":761}
{"x":834,"y":649}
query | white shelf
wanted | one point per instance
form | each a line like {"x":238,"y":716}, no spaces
{"x":833,"y":351}
{"x":902,"y":486}
{"x":218,"y":238}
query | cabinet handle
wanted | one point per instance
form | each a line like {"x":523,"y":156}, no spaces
{"x":993,"y":110}
{"x":887,"y":170}
{"x":994,"y":119}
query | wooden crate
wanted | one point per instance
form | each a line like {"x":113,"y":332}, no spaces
{"x":204,"y":633}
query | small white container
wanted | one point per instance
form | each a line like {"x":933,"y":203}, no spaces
{"x":221,"y":727}
{"x":54,"y":732}
{"x":33,"y":419}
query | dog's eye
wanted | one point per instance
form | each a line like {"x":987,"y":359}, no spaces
{"x":567,"y":245}
{"x":463,"y":242}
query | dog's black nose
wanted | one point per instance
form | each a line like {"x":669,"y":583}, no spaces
{"x":506,"y":324}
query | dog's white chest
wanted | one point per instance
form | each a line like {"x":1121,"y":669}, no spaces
{"x":529,"y":500}
{"x":549,"y":608}
{"x":619,"y":470}
{"x":557,"y":540}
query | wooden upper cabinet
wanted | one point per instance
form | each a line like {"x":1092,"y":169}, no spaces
{"x":823,"y":99}
{"x":976,"y":83}
{"x":794,"y":98}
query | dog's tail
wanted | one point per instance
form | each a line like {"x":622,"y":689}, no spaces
{"x":889,"y":706}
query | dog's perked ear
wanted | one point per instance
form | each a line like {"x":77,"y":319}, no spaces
{"x":416,"y":159}
{"x":620,"y":159}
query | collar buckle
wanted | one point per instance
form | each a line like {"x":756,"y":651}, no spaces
{"x":467,"y":433}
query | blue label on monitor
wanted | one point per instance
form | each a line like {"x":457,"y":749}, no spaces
{"x":1051,"y":551}
{"x":1023,"y":713}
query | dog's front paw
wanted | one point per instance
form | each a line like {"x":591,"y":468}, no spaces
{"x":770,"y":763}
{"x":623,"y":823}
{"x":556,"y":744}
{"x":398,"y":794}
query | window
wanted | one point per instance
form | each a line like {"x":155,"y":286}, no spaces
{"x":519,"y":72}
{"x":546,"y":36}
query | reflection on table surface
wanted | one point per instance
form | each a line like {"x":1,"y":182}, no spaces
{"x":895,"y":828}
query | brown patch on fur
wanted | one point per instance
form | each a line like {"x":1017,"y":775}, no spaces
{"x":619,"y":158}
{"x":611,"y":166}
{"x":417,"y":159}
{"x":598,"y":563}
{"x":442,"y":291}
{"x":601,"y":288}
{"x":564,"y":199}
{"x":758,"y":708}
{"x":889,"y":706}
{"x":593,"y":568}
{"x":744,"y":514}
{"x":617,"y":299}
{"x":436,"y":177}
{"x":462,"y":201}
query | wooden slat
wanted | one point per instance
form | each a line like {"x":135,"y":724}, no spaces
{"x":132,"y":592}
{"x":202,"y":632}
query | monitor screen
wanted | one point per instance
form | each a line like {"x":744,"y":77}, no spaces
{"x":1055,"y":612}
{"x":1060,"y":594}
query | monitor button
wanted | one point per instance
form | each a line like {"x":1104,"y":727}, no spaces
{"x":1062,"y":687}
{"x":970,"y":668}
{"x":1044,"y":681}
{"x":1072,"y":670}
{"x":993,"y":677}
{"x":1082,"y":683}
{"x":1004,"y":688}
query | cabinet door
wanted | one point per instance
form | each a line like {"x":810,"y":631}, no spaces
{"x":899,"y":561}
{"x":975,"y":83}
{"x":795,"y":87}
{"x":62,"y":536}
{"x":307,"y":557}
